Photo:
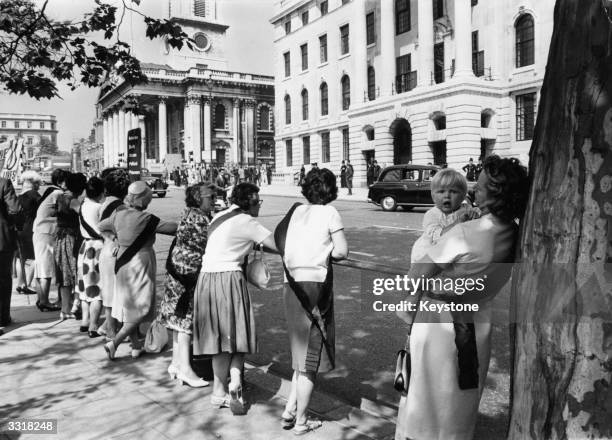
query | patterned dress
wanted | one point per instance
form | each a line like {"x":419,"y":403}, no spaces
{"x":67,"y":242}
{"x":191,"y":238}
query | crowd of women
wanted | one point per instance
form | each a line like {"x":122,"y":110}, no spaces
{"x":102,"y":243}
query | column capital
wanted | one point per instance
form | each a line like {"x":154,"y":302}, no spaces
{"x":236,"y":102}
{"x":194,"y":99}
{"x":250,"y":103}
{"x":162,"y":99}
{"x":207,"y":100}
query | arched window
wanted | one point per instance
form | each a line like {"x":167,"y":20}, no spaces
{"x":524,"y":41}
{"x":220,"y":116}
{"x":324,"y":99}
{"x":346,"y":92}
{"x":287,"y":109}
{"x":264,"y":118}
{"x":371,"y":84}
{"x":304,"y":105}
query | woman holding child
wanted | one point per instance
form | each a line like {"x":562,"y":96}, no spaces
{"x":450,"y":354}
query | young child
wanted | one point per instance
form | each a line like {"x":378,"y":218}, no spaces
{"x":448,"y":191}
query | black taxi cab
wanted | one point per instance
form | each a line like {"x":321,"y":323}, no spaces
{"x":407,"y":186}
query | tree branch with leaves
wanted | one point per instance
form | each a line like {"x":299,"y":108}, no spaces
{"x":37,"y":53}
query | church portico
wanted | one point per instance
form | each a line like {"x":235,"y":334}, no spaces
{"x":201,"y":114}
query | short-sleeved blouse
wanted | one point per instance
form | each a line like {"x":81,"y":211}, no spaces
{"x":231,"y":242}
{"x":309,"y":242}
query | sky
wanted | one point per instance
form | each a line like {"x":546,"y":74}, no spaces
{"x":249,"y":49}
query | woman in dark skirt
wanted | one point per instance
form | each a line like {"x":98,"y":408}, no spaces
{"x":307,"y":237}
{"x":29,"y":201}
{"x":176,"y":309}
{"x":224,"y":324}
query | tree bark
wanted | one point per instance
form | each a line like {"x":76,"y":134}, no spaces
{"x":562,"y":291}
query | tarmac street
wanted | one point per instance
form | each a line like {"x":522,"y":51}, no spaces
{"x":49,"y":370}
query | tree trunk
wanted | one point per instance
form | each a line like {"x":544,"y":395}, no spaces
{"x":562,"y":294}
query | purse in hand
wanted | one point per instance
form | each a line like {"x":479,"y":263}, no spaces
{"x":157,"y":337}
{"x":403,"y":368}
{"x":257,"y":272}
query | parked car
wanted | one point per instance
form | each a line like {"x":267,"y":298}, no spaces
{"x":408,"y":186}
{"x":156,"y":182}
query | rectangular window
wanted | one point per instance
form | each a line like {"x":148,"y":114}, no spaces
{"x":289,"y":152}
{"x":287,"y":57}
{"x":288,"y":27}
{"x":525,"y":116}
{"x":304,"y":18}
{"x":370,"y":31}
{"x":30,"y":140}
{"x":3,"y":124}
{"x":477,"y":56}
{"x":29,"y":124}
{"x":199,"y":8}
{"x":325,"y":153}
{"x":42,"y":125}
{"x":16,"y":124}
{"x":438,"y":9}
{"x":323,"y":8}
{"x":344,"y":39}
{"x":403,"y":76}
{"x":439,"y":63}
{"x":52,"y":125}
{"x":402,"y":16}
{"x":345,"y":143}
{"x":304,"y":50}
{"x":323,"y":48}
{"x":306,"y":149}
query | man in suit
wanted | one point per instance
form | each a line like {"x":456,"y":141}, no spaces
{"x":9,"y":207}
{"x":349,"y":177}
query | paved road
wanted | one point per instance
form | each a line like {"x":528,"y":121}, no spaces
{"x":366,"y":341}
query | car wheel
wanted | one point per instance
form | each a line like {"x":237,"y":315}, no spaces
{"x":388,"y":203}
{"x":161,"y":194}
{"x":407,"y":208}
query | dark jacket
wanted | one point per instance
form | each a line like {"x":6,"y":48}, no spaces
{"x":9,"y":207}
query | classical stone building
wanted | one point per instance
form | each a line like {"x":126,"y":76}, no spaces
{"x":400,"y":81}
{"x":192,"y":105}
{"x":32,"y":128}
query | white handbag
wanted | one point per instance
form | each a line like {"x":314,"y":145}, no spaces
{"x":257,"y":272}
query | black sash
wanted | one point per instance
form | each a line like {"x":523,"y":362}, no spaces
{"x":91,"y":231}
{"x":46,"y":194}
{"x":312,"y":310}
{"x":138,"y":243}
{"x":110,"y":209}
{"x":222,"y":219}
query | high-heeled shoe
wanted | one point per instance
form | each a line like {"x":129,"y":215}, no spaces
{"x":110,"y":349}
{"x":220,"y":402}
{"x":193,"y":383}
{"x":172,"y":371}
{"x":65,"y":316}
{"x":93,"y":334}
{"x":237,"y":404}
{"x":47,"y":307}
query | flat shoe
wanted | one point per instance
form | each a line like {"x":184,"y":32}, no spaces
{"x":220,"y":402}
{"x":287,"y":420}
{"x":110,"y":350}
{"x":94,"y":334}
{"x":307,"y":427}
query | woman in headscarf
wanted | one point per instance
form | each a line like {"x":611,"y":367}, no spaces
{"x":184,"y":264}
{"x":224,"y":324}
{"x":135,"y":267}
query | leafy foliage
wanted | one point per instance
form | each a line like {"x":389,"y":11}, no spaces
{"x":37,"y":53}
{"x":47,"y":147}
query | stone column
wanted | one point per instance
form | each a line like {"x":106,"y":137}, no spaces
{"x":163,"y":128}
{"x":196,"y":135}
{"x":116,"y":138}
{"x":187,"y":130}
{"x":208,"y":153}
{"x":249,"y":144}
{"x":236,"y":130}
{"x":122,"y":146}
{"x":106,"y":139}
{"x":359,"y":80}
{"x":387,"y":47}
{"x":425,"y":50}
{"x":463,"y":39}
{"x":143,"y":141}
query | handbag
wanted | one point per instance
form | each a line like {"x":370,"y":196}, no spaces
{"x":403,"y":368}
{"x":257,"y":272}
{"x":157,"y":337}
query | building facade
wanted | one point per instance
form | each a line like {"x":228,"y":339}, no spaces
{"x":33,"y":128}
{"x":398,"y":81}
{"x":192,"y":105}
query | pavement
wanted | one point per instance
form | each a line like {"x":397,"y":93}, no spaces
{"x":48,"y":370}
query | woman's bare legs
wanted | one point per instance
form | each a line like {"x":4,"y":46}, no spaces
{"x":221,"y":366}
{"x":66,"y":296}
{"x":95,"y":307}
{"x":291,"y":406}
{"x":129,"y":329}
{"x":184,"y":362}
{"x":85,"y":322}
{"x":305,"y":385}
